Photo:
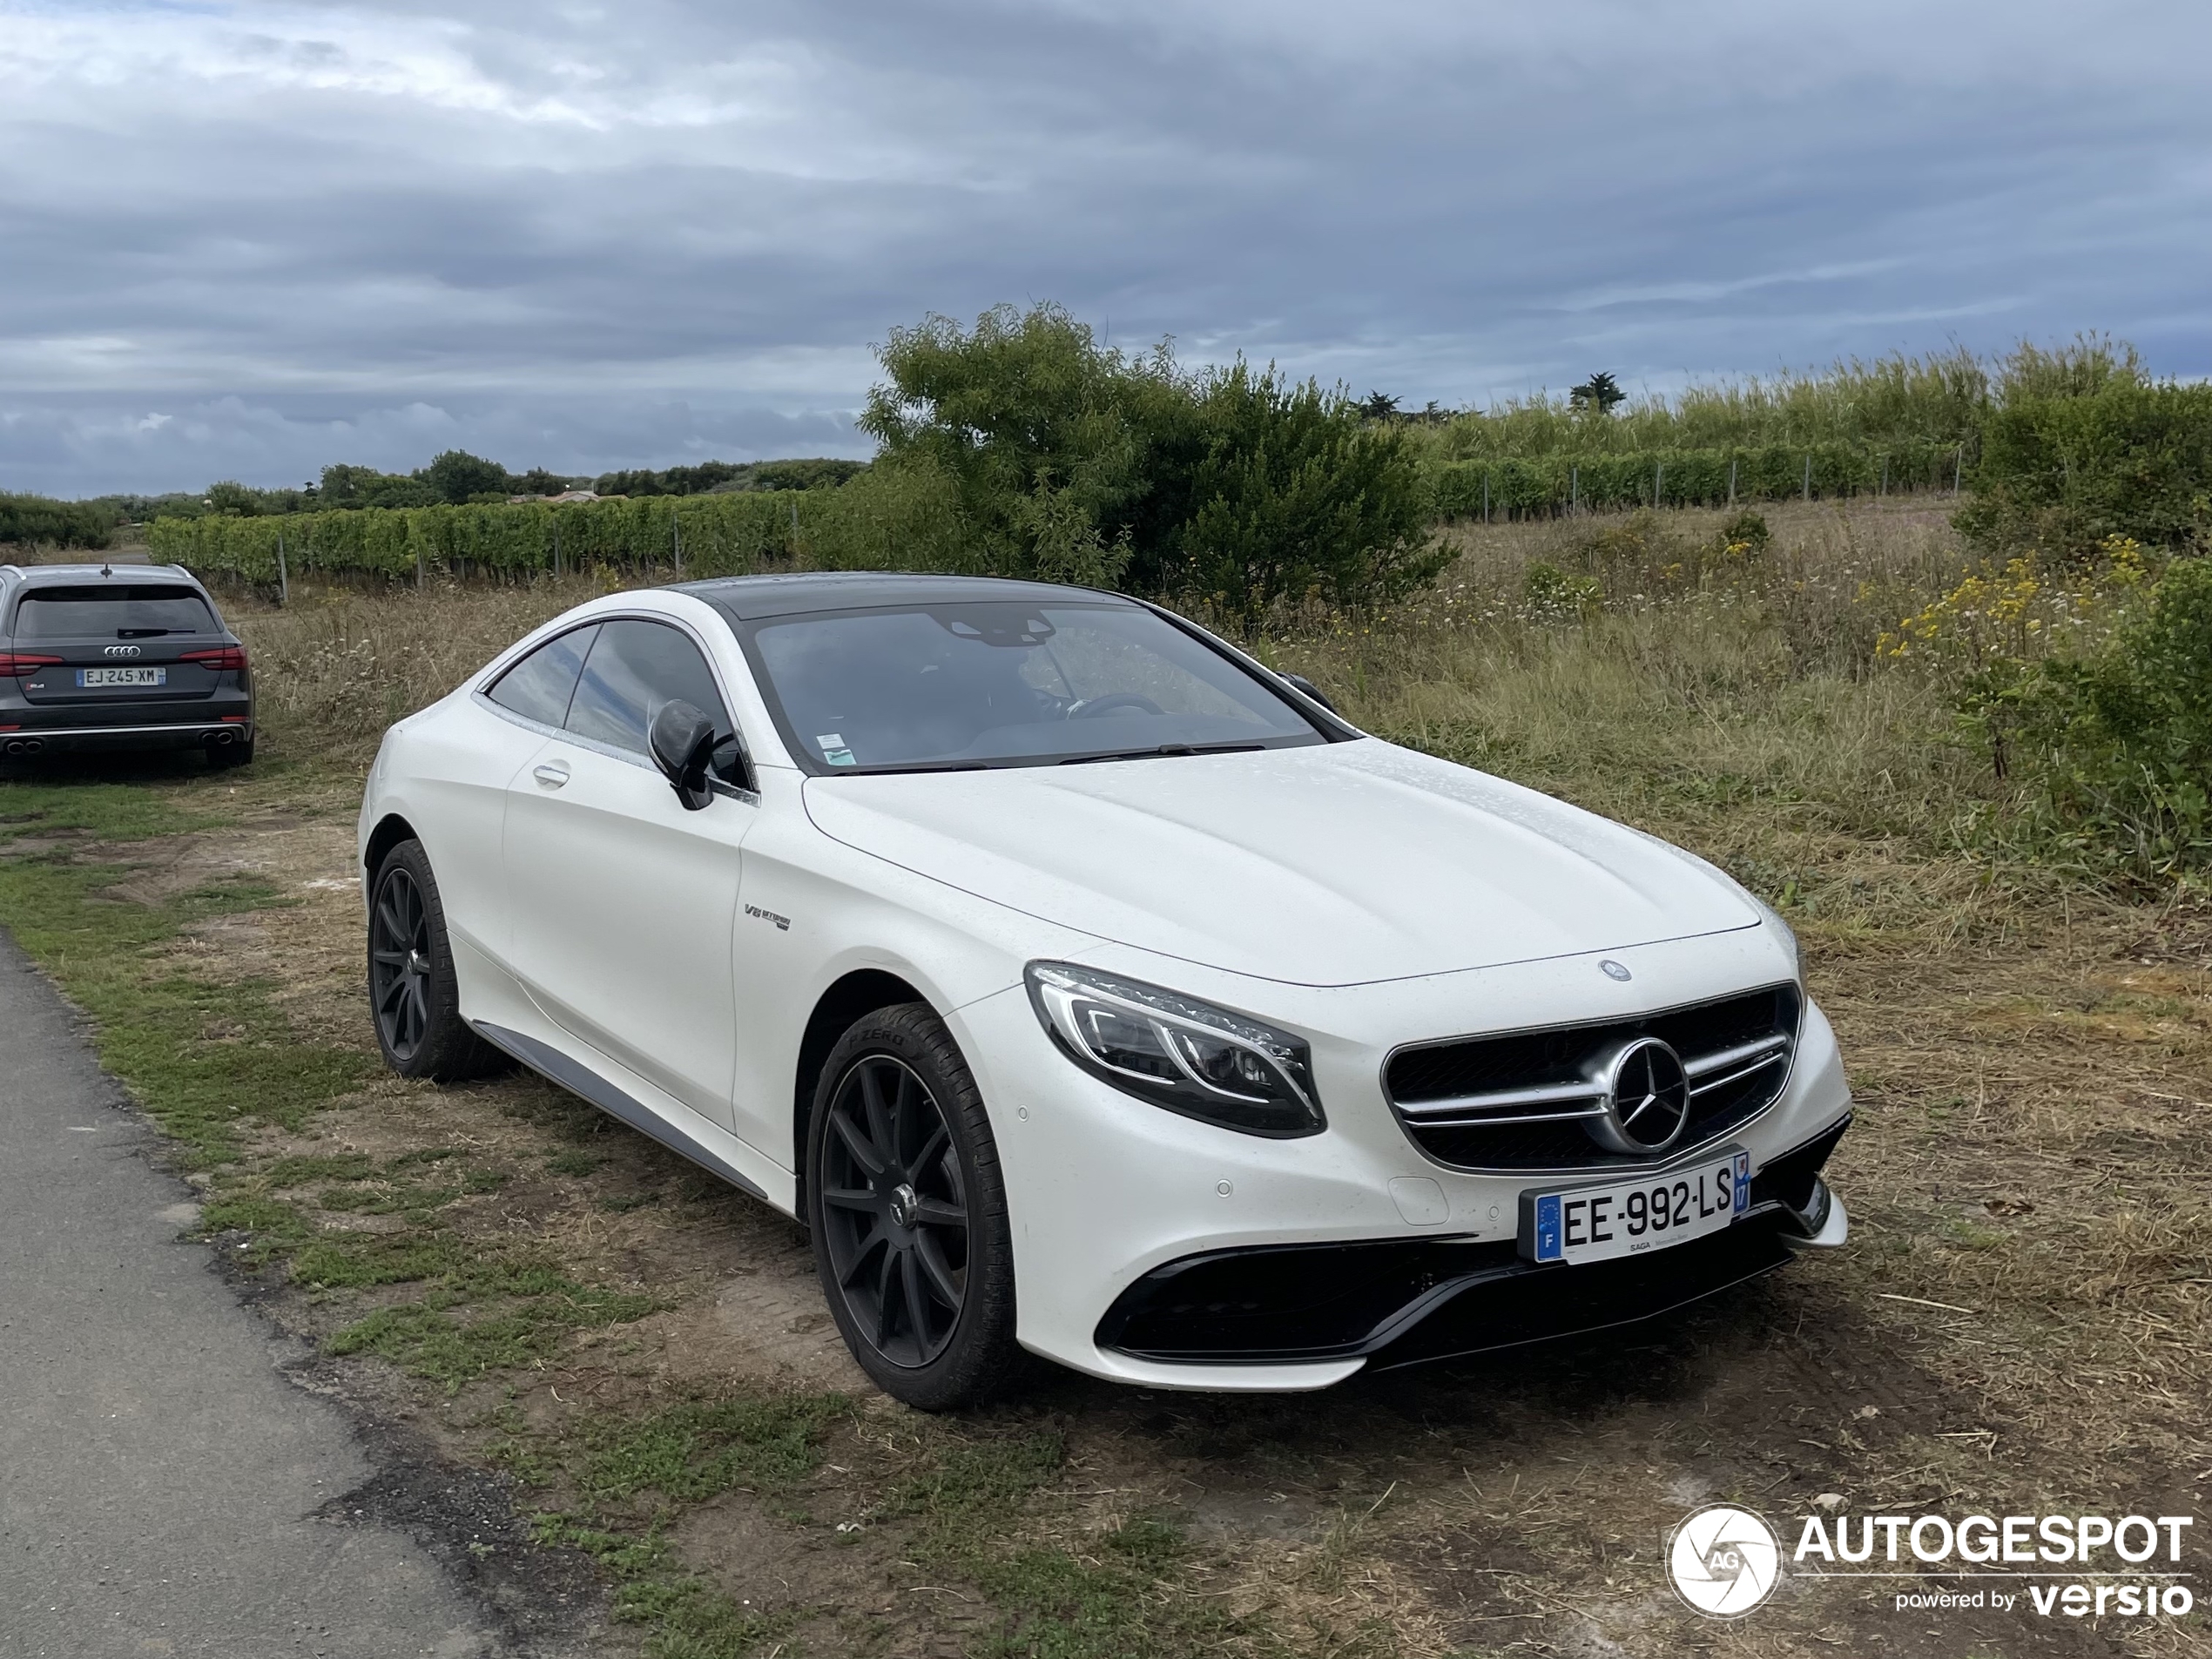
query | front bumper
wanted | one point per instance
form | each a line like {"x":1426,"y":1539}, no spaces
{"x":1153,"y":1249}
{"x":1402,"y":1302}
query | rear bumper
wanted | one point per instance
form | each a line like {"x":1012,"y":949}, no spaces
{"x":1406,"y":1301}
{"x":199,"y":733}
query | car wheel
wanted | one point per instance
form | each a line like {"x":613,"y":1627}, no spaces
{"x":909,"y":1213}
{"x":412,"y":990}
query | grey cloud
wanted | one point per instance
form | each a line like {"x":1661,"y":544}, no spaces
{"x":585,"y":237}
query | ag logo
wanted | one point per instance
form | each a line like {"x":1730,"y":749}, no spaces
{"x":1724,"y":1561}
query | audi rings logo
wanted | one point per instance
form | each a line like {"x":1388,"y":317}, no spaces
{"x":1724,"y":1561}
{"x":1646,"y":1100}
{"x":120,"y":650}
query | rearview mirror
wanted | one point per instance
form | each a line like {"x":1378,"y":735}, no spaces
{"x":682,"y":741}
{"x":1310,"y":689}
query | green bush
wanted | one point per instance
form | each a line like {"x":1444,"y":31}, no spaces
{"x":1295,"y":494}
{"x":2117,"y":746}
{"x":35,"y":521}
{"x":706,"y":535}
{"x":2062,"y":474}
{"x":1028,"y":449}
{"x":1531,"y":486}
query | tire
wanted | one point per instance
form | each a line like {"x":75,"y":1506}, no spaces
{"x":414,"y":1000}
{"x":223,"y":757}
{"x":926,"y":1228}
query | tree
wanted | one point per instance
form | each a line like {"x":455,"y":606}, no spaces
{"x":1598,"y":394}
{"x":1048,"y":438}
{"x":1298,"y":493}
{"x":1023,"y":447}
{"x":455,"y":476}
{"x":1380,"y":406}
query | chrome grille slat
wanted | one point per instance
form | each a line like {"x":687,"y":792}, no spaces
{"x":1481,"y":1119}
{"x":1738,"y":1076}
{"x":1538,"y":1096}
{"x":1770,"y":1048}
{"x":1736,"y":1054}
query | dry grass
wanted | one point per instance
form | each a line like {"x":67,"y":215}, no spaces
{"x":2032,"y":1061}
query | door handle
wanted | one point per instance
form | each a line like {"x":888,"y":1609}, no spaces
{"x":553,"y":774}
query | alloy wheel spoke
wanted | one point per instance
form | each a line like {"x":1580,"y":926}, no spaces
{"x":940,"y":1274}
{"x":861,"y":1198}
{"x":859,"y":1264}
{"x":917,"y":1303}
{"x":857,"y":1143}
{"x":883,"y":1297}
{"x":935,"y":1212}
{"x":878,"y":1114}
{"x":939,"y":1140}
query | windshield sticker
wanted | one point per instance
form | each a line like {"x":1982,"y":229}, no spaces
{"x":834,"y":749}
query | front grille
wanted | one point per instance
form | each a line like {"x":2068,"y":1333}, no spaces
{"x":1523,"y":1100}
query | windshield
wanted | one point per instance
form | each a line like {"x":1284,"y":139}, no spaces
{"x":112,"y":613}
{"x":992,"y":684}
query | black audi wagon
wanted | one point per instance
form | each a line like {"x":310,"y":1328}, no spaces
{"x":118,"y":657}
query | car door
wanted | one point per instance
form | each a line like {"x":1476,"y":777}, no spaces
{"x":620,"y":900}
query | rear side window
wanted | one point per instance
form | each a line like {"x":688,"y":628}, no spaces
{"x":539,"y":687}
{"x":117,"y":611}
{"x":633,"y":668}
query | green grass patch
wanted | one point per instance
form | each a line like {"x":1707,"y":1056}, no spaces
{"x":690,"y":1619}
{"x":488,"y":1317}
{"x":203,"y":1059}
{"x":114,"y":812}
{"x":694,"y":1451}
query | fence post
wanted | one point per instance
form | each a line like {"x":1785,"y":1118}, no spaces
{"x":676,"y":538}
{"x":418,"y":566}
{"x":1485,"y":498}
{"x":794,"y":530}
{"x":1957,"y":466}
{"x":1573,"y":488}
{"x":1658,"y":482}
{"x":284,"y":581}
{"x":1884,"y":489}
{"x":1732,"y":481}
{"x":556,"y":545}
{"x":1808,"y":475}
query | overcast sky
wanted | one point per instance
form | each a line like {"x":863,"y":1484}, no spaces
{"x":247,"y":239}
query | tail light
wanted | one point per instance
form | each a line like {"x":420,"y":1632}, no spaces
{"x":224,"y":659}
{"x":14,"y":664}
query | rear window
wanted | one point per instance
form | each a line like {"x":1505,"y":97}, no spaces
{"x":117,"y":611}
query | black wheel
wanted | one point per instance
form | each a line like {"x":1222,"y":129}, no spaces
{"x":909,"y":1213}
{"x":223,"y":757}
{"x":412,"y":991}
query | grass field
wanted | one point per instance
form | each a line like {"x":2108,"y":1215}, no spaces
{"x":507,"y":1280}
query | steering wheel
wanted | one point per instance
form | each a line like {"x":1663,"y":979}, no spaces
{"x":1111,"y":701}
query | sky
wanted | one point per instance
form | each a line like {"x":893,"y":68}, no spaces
{"x":246,"y":240}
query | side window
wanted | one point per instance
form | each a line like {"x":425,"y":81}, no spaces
{"x":634,"y":668}
{"x":539,"y":687}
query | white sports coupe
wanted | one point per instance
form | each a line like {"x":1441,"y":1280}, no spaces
{"x":1089,"y":988}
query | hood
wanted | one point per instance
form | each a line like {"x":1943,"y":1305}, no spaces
{"x":1338,"y":864}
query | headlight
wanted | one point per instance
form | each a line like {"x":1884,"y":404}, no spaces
{"x":1177,"y":1052}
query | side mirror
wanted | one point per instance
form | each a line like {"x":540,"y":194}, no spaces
{"x":730,"y":764}
{"x":682,"y":741}
{"x":1310,"y":689}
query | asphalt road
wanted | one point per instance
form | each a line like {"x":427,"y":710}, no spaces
{"x":164,"y":1489}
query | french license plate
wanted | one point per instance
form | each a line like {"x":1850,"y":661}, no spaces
{"x":86,"y":676}
{"x":1597,"y":1223}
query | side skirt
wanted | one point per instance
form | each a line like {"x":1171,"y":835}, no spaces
{"x":580,"y":1080}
